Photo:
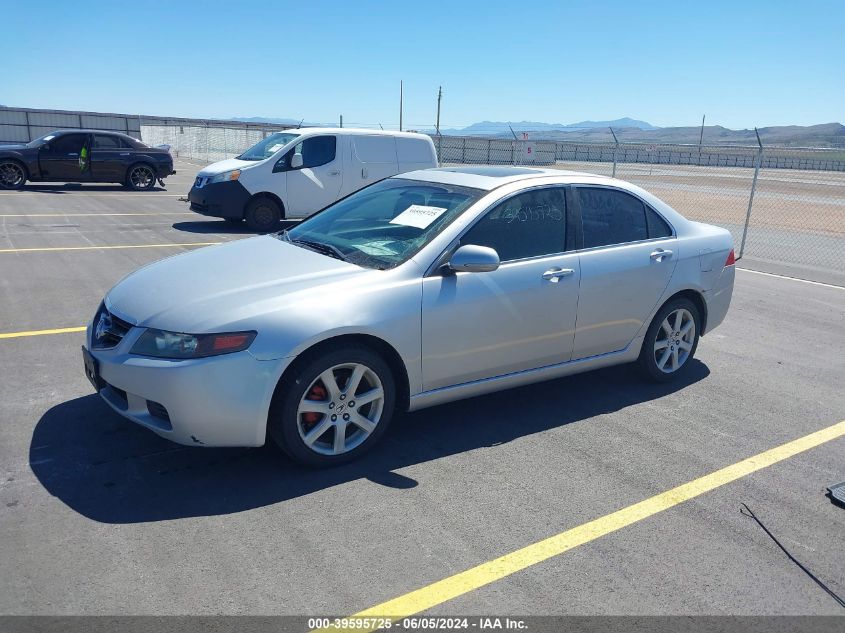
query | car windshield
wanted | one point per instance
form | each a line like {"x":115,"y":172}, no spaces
{"x":385,"y":224}
{"x":268,"y":147}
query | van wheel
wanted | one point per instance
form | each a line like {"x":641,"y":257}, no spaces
{"x":263,"y":215}
{"x":334,"y":407}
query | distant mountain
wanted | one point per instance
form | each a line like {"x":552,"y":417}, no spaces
{"x":496,"y":128}
{"x":827,"y":135}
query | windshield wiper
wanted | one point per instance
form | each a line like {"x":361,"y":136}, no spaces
{"x":324,"y":249}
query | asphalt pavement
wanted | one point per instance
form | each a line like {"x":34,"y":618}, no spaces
{"x":99,"y":516}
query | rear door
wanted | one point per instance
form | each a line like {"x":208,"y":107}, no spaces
{"x":519,"y":317}
{"x":373,"y":158}
{"x":317,"y":183}
{"x":628,"y":257}
{"x":66,"y":158}
{"x":110,"y":156}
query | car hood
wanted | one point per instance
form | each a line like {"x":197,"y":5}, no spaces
{"x":225,"y":165}
{"x":226,"y":287}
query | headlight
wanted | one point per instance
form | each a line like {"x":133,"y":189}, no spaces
{"x":226,"y":175}
{"x":161,"y":344}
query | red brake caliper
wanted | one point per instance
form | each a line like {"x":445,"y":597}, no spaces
{"x":317,"y":392}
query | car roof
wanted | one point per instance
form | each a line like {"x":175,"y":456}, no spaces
{"x":489,"y":177}
{"x":355,"y":131}
{"x":90,"y":131}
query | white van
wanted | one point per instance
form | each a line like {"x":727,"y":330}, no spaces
{"x":292,"y":174}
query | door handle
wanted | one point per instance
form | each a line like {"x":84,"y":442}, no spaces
{"x":659,"y":254}
{"x":554,"y":274}
{"x":334,"y":172}
{"x":363,"y":172}
{"x":73,"y":153}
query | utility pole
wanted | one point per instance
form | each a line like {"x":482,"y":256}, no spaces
{"x":439,"y":98}
{"x":341,"y":120}
{"x":400,"y":104}
{"x":437,"y":125}
{"x":701,"y":136}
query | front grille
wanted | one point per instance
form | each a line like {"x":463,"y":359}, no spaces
{"x":107,"y":330}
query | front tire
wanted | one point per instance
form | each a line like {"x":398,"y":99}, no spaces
{"x":263,"y":215}
{"x":12,"y":175}
{"x":334,"y":407}
{"x":140,"y":177}
{"x":670,"y":341}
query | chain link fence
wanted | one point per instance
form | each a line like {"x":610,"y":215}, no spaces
{"x":206,"y":143}
{"x":790,"y":219}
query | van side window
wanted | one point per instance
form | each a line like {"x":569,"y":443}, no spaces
{"x":610,"y":216}
{"x":316,"y":151}
{"x":530,"y":224}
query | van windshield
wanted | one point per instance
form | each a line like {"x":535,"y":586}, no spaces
{"x":268,"y":147}
{"x":385,"y":224}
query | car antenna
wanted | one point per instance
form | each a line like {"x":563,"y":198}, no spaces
{"x":300,"y":124}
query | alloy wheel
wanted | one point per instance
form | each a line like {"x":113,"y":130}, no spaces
{"x":340,"y":409}
{"x":11,"y":175}
{"x":142,"y":177}
{"x":674,"y":341}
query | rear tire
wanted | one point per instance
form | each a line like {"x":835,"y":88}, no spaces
{"x":12,"y":175}
{"x":315,"y":418}
{"x":140,"y":177}
{"x":670,"y":341}
{"x":263,"y":215}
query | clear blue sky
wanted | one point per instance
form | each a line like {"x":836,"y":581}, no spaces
{"x":743,"y":63}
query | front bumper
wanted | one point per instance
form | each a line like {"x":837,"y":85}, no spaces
{"x":216,"y":401}
{"x":219,"y":199}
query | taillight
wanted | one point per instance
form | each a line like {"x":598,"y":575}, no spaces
{"x":731,"y":260}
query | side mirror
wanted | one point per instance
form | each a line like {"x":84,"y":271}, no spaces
{"x":296,"y":161}
{"x":474,"y":259}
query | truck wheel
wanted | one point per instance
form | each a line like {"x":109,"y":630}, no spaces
{"x":12,"y":175}
{"x":263,"y":215}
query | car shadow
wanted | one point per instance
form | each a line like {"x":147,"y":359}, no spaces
{"x":79,"y":186}
{"x":113,"y":471}
{"x":221,"y":226}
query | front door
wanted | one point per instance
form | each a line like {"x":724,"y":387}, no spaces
{"x":316,"y":184}
{"x":519,"y":317}
{"x":66,"y":158}
{"x":628,"y":259}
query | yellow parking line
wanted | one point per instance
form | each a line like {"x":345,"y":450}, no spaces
{"x":100,"y":248}
{"x":62,"y":330}
{"x":486,"y":573}
{"x":83,"y":215}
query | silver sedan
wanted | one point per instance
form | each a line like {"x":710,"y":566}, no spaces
{"x":421,"y":289}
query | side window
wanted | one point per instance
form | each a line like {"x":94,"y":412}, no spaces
{"x":529,"y":224}
{"x":104,"y":141}
{"x":610,"y":216}
{"x":316,"y":151}
{"x":657,"y":226}
{"x":68,"y":143}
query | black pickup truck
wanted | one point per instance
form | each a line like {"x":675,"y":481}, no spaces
{"x":84,"y":156}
